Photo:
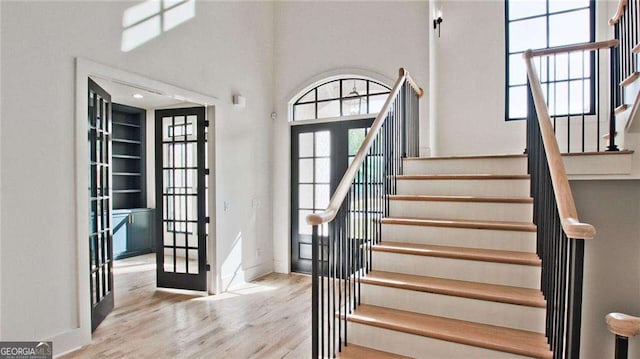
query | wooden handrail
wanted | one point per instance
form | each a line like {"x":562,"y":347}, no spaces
{"x":591,"y":46}
{"x":564,"y":198}
{"x":623,"y":324}
{"x":341,"y":191}
{"x":619,"y":11}
{"x":410,"y":81}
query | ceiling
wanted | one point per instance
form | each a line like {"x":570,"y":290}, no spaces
{"x":123,"y":94}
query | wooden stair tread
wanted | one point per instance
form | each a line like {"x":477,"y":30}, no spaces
{"x":482,"y":291}
{"x":461,"y":199}
{"x":609,"y":153}
{"x":630,"y":79}
{"x":636,"y":49}
{"x":493,"y":337}
{"x":463,"y":177}
{"x":620,"y":109}
{"x":475,"y":254}
{"x":459,"y":223}
{"x":473,"y":157}
{"x":353,"y":351}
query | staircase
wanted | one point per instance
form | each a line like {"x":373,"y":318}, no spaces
{"x":440,"y":257}
{"x":456,"y":273}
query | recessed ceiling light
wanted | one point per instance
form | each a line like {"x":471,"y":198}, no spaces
{"x":137,"y":95}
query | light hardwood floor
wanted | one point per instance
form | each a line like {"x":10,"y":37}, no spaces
{"x":267,"y":318}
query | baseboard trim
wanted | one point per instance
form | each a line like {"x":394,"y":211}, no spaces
{"x":69,"y":341}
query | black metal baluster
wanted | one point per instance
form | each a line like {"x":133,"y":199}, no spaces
{"x":597,"y":98}
{"x":555,"y":92}
{"x":582,"y":109}
{"x":614,"y":101}
{"x":322,"y":321}
{"x":359,"y":240}
{"x":622,"y":347}
{"x":350,"y":234}
{"x":314,"y":292}
{"x":339,"y":255}
{"x":568,"y":102}
{"x":332,"y":286}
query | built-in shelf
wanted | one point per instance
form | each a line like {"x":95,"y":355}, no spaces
{"x":121,"y":140}
{"x":126,"y":174}
{"x":127,"y":191}
{"x":128,"y":157}
{"x":118,"y":123}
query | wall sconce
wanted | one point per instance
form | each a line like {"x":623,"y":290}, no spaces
{"x":437,"y":21}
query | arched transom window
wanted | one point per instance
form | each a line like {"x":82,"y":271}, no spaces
{"x":343,"y":97}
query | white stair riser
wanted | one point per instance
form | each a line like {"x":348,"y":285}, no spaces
{"x":466,"y":187}
{"x":460,"y":237}
{"x":466,"y":166}
{"x":489,"y":211}
{"x":416,"y":346}
{"x":474,"y":310}
{"x":474,"y":271}
{"x":631,"y":91}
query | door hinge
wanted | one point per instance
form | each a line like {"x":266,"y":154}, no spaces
{"x":206,"y":123}
{"x":208,"y":267}
{"x":206,"y":171}
{"x":207,"y":219}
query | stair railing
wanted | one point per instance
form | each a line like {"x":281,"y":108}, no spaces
{"x":344,"y":233}
{"x":624,"y":327}
{"x":626,"y":28}
{"x":560,"y":233}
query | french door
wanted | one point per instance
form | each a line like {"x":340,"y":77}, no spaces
{"x":100,"y":205}
{"x":320,"y":155}
{"x":181,"y":253}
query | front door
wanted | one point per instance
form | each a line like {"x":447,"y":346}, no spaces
{"x":100,"y":205}
{"x":320,"y":155}
{"x":180,"y":198}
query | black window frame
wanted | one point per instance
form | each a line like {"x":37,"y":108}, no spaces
{"x":548,"y":82}
{"x":341,"y":97}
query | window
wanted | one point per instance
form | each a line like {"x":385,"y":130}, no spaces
{"x":537,"y":24}
{"x":343,"y":97}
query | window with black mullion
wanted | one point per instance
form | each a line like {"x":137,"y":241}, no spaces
{"x":544,"y":24}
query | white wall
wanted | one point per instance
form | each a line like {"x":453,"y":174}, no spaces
{"x":316,"y":38}
{"x":226,"y":48}
{"x":470,"y":88}
{"x":611,"y":265}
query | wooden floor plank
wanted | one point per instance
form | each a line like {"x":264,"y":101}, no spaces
{"x":267,"y":318}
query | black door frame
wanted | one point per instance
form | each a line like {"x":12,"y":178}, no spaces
{"x":339,"y":132}
{"x":100,"y":204}
{"x":175,"y":280}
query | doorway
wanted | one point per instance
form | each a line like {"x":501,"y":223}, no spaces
{"x":123,"y":220}
{"x":320,"y":155}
